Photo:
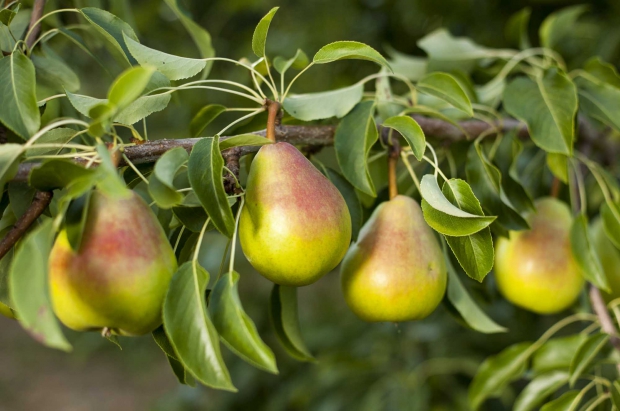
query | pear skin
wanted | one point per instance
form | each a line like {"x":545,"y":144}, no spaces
{"x":610,"y":258}
{"x":396,"y":271}
{"x":295,"y":226}
{"x":535,"y":269}
{"x":120,"y":275}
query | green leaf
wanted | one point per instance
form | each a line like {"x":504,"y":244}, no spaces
{"x":598,"y":99}
{"x":259,"y":39}
{"x":161,"y":339}
{"x":411,"y":67}
{"x":283,"y":311}
{"x":190,"y":330}
{"x":448,"y":53}
{"x":173,"y":67}
{"x":539,"y":389}
{"x":350,"y":197}
{"x":17,"y":95}
{"x":112,"y":28}
{"x":556,"y":354}
{"x":129,"y":86}
{"x":10,"y":154}
{"x":615,"y":394}
{"x":446,"y":218}
{"x":547,"y":104}
{"x":557,"y":26}
{"x":7,"y":15}
{"x":517,"y":28}
{"x":161,"y":186}
{"x":497,"y":371}
{"x":341,"y":50}
{"x":60,"y":135}
{"x":51,"y":70}
{"x":585,"y":256}
{"x":355,"y":136}
{"x":29,"y":288}
{"x":205,"y":171}
{"x":199,"y":35}
{"x":411,"y":132}
{"x":603,"y":71}
{"x":467,"y":307}
{"x":585,"y":355}
{"x":610,"y":215}
{"x":236,"y":328}
{"x":326,"y":104}
{"x":565,"y":402}
{"x":109,"y":180}
{"x":76,"y":217}
{"x":193,"y":218}
{"x":204,"y":117}
{"x":59,"y":173}
{"x":243,"y":140}
{"x":558,"y":164}
{"x":298,"y":61}
{"x":447,"y":88}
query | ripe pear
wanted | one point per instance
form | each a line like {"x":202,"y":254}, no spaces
{"x":396,"y":271}
{"x":535,"y":269}
{"x":295,"y":226}
{"x":609,"y":256}
{"x":119,"y":276}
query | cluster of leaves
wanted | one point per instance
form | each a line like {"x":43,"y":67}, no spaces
{"x":493,"y":175}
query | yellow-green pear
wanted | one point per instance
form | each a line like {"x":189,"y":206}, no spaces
{"x":396,"y":271}
{"x":609,"y":256}
{"x":6,"y":311}
{"x":295,"y":226}
{"x":535,"y":268}
{"x":119,"y":276}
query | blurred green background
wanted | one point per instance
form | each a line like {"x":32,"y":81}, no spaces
{"x":413,"y":366}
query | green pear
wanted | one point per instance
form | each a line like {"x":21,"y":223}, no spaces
{"x":396,"y":271}
{"x":295,"y":226}
{"x":119,"y":276}
{"x":609,"y":256}
{"x":535,"y":268}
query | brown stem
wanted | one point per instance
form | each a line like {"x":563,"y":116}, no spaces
{"x":607,"y":324}
{"x":273,"y":111}
{"x":555,"y":187}
{"x":37,"y":12}
{"x":392,"y":182}
{"x":41,"y":200}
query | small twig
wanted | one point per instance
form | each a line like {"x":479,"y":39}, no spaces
{"x":37,"y":12}
{"x":607,"y":324}
{"x":40,"y":202}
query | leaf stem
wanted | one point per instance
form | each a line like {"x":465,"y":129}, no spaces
{"x":240,"y":119}
{"x":231,"y":263}
{"x":199,"y":242}
{"x":295,"y":79}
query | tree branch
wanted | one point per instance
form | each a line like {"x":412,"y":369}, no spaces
{"x":607,"y":324}
{"x":37,"y":12}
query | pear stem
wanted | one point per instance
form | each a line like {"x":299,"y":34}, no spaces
{"x":393,"y":155}
{"x":273,"y":118}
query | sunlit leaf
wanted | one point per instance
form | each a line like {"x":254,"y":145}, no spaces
{"x":411,"y":132}
{"x":259,"y":39}
{"x":447,"y":88}
{"x":317,"y":106}
{"x":340,"y":50}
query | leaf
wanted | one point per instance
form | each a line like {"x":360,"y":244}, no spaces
{"x":467,"y":307}
{"x":341,"y":50}
{"x":446,"y":218}
{"x":411,"y":132}
{"x":447,"y":88}
{"x":615,"y":394}
{"x":412,"y":67}
{"x":9,"y":162}
{"x":259,"y":39}
{"x":585,"y":256}
{"x":58,"y":173}
{"x":354,"y":137}
{"x":517,"y":28}
{"x":161,"y":339}
{"x":600,"y":100}
{"x":129,"y":86}
{"x":161,"y":186}
{"x":53,"y":71}
{"x":350,"y":197}
{"x":559,"y":25}
{"x":190,"y":330}
{"x":547,"y":105}
{"x":236,"y":328}
{"x":173,"y":67}
{"x":447,"y":53}
{"x":134,"y":112}
{"x":205,"y":171}
{"x":29,"y":288}
{"x":558,"y":164}
{"x":283,"y":312}
{"x":204,"y":117}
{"x":497,"y":371}
{"x":193,"y":218}
{"x":317,"y":106}
{"x":298,"y":61}
{"x":243,"y":140}
{"x":539,"y":389}
{"x":76,"y":217}
{"x":201,"y":37}
{"x":60,"y":135}
{"x":17,"y":95}
{"x":556,"y":354}
{"x":602,"y":71}
{"x":565,"y":402}
{"x":610,"y":215}
{"x":112,"y":28}
{"x":585,"y":355}
{"x":108,"y":179}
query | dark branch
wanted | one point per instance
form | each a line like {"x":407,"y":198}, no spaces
{"x":41,"y":200}
{"x":607,"y":324}
{"x":37,"y":12}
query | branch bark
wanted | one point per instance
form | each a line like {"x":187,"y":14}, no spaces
{"x":607,"y":324}
{"x":37,"y":12}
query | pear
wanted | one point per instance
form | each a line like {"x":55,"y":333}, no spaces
{"x":609,"y":256}
{"x":295,"y":226}
{"x":118,"y":278}
{"x":396,"y":271}
{"x":535,"y":269}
